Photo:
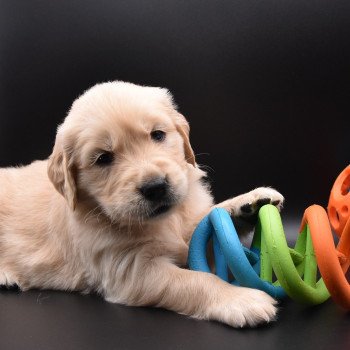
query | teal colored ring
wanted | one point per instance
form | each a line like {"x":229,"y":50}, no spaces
{"x":228,"y":251}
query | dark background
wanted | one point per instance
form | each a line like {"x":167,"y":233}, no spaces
{"x":264,"y":84}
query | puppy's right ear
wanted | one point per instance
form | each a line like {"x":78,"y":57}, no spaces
{"x":61,"y":172}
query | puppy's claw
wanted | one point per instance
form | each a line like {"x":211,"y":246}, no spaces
{"x":247,"y":208}
{"x":262,"y":201}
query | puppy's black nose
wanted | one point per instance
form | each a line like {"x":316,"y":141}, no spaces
{"x":155,"y":189}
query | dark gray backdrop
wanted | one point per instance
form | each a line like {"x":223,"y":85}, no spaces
{"x":264,"y":84}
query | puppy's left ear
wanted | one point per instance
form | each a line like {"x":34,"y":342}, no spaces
{"x":183,"y":129}
{"x":61,"y":172}
{"x":181,"y":123}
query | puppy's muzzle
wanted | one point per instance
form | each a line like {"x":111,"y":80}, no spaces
{"x":155,"y":190}
{"x":158,"y":194}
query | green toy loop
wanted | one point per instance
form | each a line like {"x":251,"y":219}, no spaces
{"x":295,"y":269}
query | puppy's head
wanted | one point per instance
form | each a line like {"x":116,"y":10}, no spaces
{"x":125,"y":148}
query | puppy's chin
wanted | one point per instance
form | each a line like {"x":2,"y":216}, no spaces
{"x":160,"y":210}
{"x":141,"y":212}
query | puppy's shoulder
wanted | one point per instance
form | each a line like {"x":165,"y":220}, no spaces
{"x":23,"y":180}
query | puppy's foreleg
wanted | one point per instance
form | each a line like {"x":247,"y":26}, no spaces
{"x":244,"y":208}
{"x":198,"y":294}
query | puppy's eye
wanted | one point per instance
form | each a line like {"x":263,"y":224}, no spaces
{"x":158,"y":135}
{"x":104,"y":159}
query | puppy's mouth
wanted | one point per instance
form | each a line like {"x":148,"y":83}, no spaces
{"x":162,"y":209}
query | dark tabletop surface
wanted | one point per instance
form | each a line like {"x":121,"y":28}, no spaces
{"x":58,"y":320}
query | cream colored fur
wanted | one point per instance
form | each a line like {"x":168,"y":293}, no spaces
{"x":67,"y":223}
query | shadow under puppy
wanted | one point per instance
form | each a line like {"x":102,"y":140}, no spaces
{"x":113,"y":209}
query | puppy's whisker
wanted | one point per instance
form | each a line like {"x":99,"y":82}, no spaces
{"x":98,"y":216}
{"x":206,"y":167}
{"x":138,"y":212}
{"x":91,"y":215}
{"x":188,"y":158}
{"x":129,"y":225}
{"x":141,"y":210}
{"x":197,"y":154}
{"x":202,"y":154}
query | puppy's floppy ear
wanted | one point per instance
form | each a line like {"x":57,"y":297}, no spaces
{"x":61,"y":172}
{"x":183,"y":129}
{"x":181,"y":123}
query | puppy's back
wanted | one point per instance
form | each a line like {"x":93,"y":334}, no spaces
{"x":25,"y":194}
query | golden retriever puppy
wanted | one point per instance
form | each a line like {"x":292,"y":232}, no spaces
{"x":113,"y":209}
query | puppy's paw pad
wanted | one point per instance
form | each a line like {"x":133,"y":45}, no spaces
{"x":249,"y":211}
{"x":262,"y":201}
{"x":254,"y":200}
{"x":246,"y":208}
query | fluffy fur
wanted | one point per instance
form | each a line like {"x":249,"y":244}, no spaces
{"x":71,"y":223}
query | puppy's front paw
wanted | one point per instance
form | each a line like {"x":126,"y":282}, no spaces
{"x":244,"y":208}
{"x":252,"y":201}
{"x":246,"y":307}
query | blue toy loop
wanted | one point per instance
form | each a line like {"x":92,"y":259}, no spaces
{"x":244,"y":263}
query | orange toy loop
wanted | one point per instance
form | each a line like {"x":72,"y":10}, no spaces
{"x":339,"y":202}
{"x":332,"y":262}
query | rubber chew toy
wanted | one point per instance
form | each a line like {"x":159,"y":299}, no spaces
{"x":333,"y":262}
{"x":339,"y":202}
{"x":297,"y":276}
{"x":295,"y":269}
{"x":228,"y":252}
